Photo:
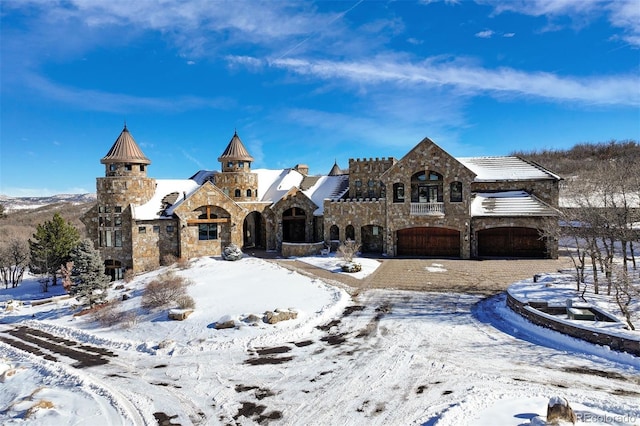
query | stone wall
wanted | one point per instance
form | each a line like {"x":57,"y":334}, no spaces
{"x":301,"y":249}
{"x":364,"y":176}
{"x":357,"y":213}
{"x":598,"y":337}
{"x":229,"y":182}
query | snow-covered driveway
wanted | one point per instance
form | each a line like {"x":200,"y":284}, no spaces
{"x":385,"y":357}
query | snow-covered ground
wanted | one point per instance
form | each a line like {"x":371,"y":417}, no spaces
{"x":384,"y":357}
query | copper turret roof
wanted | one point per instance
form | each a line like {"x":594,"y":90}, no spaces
{"x":125,"y":150}
{"x":235,"y":151}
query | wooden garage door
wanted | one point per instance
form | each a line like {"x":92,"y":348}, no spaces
{"x":511,"y":242}
{"x":441,"y":242}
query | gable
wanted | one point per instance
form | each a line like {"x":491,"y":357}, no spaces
{"x":428,"y":156}
{"x":294,"y":198}
{"x":207,"y":195}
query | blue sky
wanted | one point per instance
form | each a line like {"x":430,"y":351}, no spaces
{"x":305,"y":82}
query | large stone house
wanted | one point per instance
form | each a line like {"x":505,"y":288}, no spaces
{"x":426,"y":204}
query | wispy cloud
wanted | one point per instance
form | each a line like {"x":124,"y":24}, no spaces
{"x":485,"y":34}
{"x":470,"y":79}
{"x":98,"y":100}
{"x":624,"y":14}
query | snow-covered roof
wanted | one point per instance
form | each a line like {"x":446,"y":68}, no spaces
{"x":505,"y":168}
{"x":325,"y":187}
{"x":274,"y":184}
{"x":155,"y":206}
{"x":509,"y":203}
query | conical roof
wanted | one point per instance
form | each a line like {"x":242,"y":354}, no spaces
{"x":125,"y":150}
{"x":335,"y":170}
{"x":235,"y":151}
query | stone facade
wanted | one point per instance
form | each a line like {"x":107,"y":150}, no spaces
{"x":419,"y":205}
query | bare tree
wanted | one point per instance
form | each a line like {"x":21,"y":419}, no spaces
{"x":14,"y":259}
{"x":627,"y":295}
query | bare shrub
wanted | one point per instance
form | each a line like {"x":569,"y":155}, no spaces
{"x":183,"y":263}
{"x":168,"y":260}
{"x":107,"y":314}
{"x":348,"y":250}
{"x":128,"y":275}
{"x":128,"y":319}
{"x":165,"y":289}
{"x":186,"y":302}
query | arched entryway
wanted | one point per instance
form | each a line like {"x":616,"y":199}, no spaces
{"x":511,"y":242}
{"x":252,"y":231}
{"x":114,"y":269}
{"x":350,"y":233}
{"x":428,"y":241}
{"x":294,"y":222}
{"x":372,"y":239}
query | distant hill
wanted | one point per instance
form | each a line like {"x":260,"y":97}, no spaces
{"x":23,"y":214}
{"x":579,"y":161}
{"x":12,"y":204}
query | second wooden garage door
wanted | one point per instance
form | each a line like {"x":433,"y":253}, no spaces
{"x":432,"y":242}
{"x":511,"y":242}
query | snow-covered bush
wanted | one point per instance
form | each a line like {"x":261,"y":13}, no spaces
{"x":232,"y":252}
{"x":347,"y":251}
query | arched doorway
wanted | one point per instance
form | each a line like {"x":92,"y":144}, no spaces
{"x":114,"y":269}
{"x":350,"y":233}
{"x":371,"y":239}
{"x":334,"y":233}
{"x":294,"y":222}
{"x":252,"y":231}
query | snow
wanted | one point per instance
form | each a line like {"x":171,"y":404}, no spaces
{"x":504,"y":168}
{"x":396,"y":357}
{"x":151,"y":209}
{"x":508,"y":203}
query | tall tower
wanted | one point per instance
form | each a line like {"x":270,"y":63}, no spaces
{"x":236,"y":179}
{"x":125,"y":184}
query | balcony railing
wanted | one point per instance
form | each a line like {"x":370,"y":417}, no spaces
{"x":427,"y":209}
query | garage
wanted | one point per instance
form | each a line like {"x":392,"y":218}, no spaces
{"x":511,"y":242}
{"x":428,"y":241}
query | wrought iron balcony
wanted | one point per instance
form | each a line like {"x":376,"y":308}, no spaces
{"x":427,"y":209}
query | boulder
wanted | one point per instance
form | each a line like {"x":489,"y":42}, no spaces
{"x":279,"y":315}
{"x":559,"y":410}
{"x":180,"y":314}
{"x":232,"y":252}
{"x":225,"y":322}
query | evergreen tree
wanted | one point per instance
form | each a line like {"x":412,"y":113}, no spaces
{"x":51,"y":246}
{"x":88,"y":280}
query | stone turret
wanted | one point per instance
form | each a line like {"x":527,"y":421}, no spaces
{"x":125,"y":180}
{"x":236,"y":179}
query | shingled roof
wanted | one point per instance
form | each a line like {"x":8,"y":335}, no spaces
{"x":235,"y":151}
{"x":125,"y":150}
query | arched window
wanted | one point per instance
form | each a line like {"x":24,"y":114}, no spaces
{"x":334,"y":233}
{"x":237,"y":193}
{"x":248,"y":193}
{"x":426,"y":187}
{"x":350,"y":233}
{"x":398,"y":192}
{"x":207,"y":231}
{"x":455,"y":192}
